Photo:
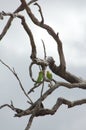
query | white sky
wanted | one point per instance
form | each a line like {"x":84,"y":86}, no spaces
{"x":68,"y":17}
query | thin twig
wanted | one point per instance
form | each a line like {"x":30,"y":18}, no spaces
{"x":34,"y":87}
{"x":6,"y":105}
{"x":12,"y":107}
{"x":44,"y":79}
{"x":44,"y":49}
{"x":15,"y":74}
{"x":30,"y":71}
{"x":42,"y":89}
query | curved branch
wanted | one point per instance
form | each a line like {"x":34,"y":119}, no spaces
{"x":16,"y":76}
{"x":40,"y":11}
{"x":11,"y":107}
{"x":41,"y":111}
{"x":53,"y":88}
{"x":59,"y":102}
{"x":63,"y":74}
{"x":27,"y":29}
{"x":8,"y":24}
{"x":72,"y":103}
{"x":6,"y":105}
{"x":50,"y":31}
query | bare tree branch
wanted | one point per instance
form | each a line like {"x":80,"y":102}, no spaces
{"x":21,"y":7}
{"x":73,"y":103}
{"x":29,"y":122}
{"x":59,"y":70}
{"x":40,"y":11}
{"x":11,"y":107}
{"x":8,"y":24}
{"x":15,"y":74}
{"x":6,"y":28}
{"x":41,"y":111}
{"x":45,"y":56}
{"x":63,"y":74}
{"x":81,"y":85}
{"x":6,"y":105}
{"x":27,"y":29}
{"x":50,"y":31}
{"x":37,"y":108}
{"x":60,"y":101}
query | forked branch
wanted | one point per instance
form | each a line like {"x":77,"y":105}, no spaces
{"x":61,"y":69}
{"x":15,"y":74}
{"x":37,"y":107}
{"x":49,"y":30}
{"x":8,"y":24}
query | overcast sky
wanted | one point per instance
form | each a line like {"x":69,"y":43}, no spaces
{"x":68,"y":17}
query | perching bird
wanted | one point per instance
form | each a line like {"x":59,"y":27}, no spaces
{"x":49,"y":75}
{"x":40,"y":77}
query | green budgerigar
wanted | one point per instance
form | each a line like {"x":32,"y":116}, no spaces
{"x":40,"y":77}
{"x":49,"y":75}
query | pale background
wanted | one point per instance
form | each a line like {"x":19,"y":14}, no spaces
{"x":68,"y":17}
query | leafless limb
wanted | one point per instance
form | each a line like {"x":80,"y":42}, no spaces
{"x":39,"y":62}
{"x":45,"y":56}
{"x":29,"y":122}
{"x":8,"y":24}
{"x":6,"y":27}
{"x":42,"y":89}
{"x":21,"y":7}
{"x":63,"y":74}
{"x":40,"y":11}
{"x":30,"y":71}
{"x":81,"y":85}
{"x":6,"y":105}
{"x":34,"y":87}
{"x":27,"y":29}
{"x":73,"y":103}
{"x":61,"y":69}
{"x":50,"y":31}
{"x":37,"y":108}
{"x":15,"y":74}
{"x":11,"y":107}
{"x":41,"y":111}
{"x":59,"y":102}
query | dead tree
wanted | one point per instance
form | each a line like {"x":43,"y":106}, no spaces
{"x":37,"y":108}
